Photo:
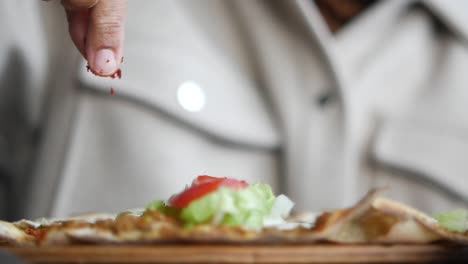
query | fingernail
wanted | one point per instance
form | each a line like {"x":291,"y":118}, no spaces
{"x":104,"y":62}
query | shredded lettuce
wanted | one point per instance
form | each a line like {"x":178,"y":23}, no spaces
{"x":253,"y":207}
{"x":279,"y":212}
{"x":156,"y":205}
{"x":159,"y":205}
{"x":456,"y":221}
{"x":246,"y":207}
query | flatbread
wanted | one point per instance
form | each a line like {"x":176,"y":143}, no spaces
{"x":428,"y":229}
{"x":379,"y":220}
{"x":372,"y":220}
{"x":11,"y":234}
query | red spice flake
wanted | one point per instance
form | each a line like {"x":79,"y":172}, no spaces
{"x":121,"y":59}
{"x":107,"y":61}
{"x":117,"y":73}
{"x":112,"y":91}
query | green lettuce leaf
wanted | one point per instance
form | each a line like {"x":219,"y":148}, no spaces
{"x":279,"y":212}
{"x":456,"y":221}
{"x":159,"y":205}
{"x":246,"y":207}
{"x":156,"y":205}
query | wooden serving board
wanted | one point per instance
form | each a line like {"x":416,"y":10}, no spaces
{"x":316,"y":253}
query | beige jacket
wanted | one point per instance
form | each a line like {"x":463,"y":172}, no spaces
{"x":278,"y":99}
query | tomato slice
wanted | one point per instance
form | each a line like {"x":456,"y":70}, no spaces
{"x":206,"y":178}
{"x":202,"y":186}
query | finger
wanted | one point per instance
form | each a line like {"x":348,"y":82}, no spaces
{"x":78,"y":28}
{"x":104,"y":43}
{"x":72,"y":5}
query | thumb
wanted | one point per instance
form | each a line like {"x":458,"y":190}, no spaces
{"x":104,"y":40}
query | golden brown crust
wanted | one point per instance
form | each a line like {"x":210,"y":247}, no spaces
{"x":10,"y":234}
{"x":427,"y":223}
{"x":371,"y":220}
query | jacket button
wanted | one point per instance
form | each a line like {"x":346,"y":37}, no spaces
{"x":325,"y":99}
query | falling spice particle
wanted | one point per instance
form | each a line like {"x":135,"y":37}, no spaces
{"x":107,"y":61}
{"x":116,"y":74}
{"x":121,"y":59}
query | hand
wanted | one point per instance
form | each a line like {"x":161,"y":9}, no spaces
{"x":97,"y":29}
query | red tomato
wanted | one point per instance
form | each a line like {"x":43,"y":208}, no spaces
{"x":206,"y":178}
{"x":202,"y":186}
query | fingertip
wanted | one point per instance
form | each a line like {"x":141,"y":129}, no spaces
{"x":104,"y":62}
{"x":104,"y":46}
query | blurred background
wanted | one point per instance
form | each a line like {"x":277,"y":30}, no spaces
{"x":321,"y":99}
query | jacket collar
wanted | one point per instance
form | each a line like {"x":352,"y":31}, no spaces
{"x":452,"y":13}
